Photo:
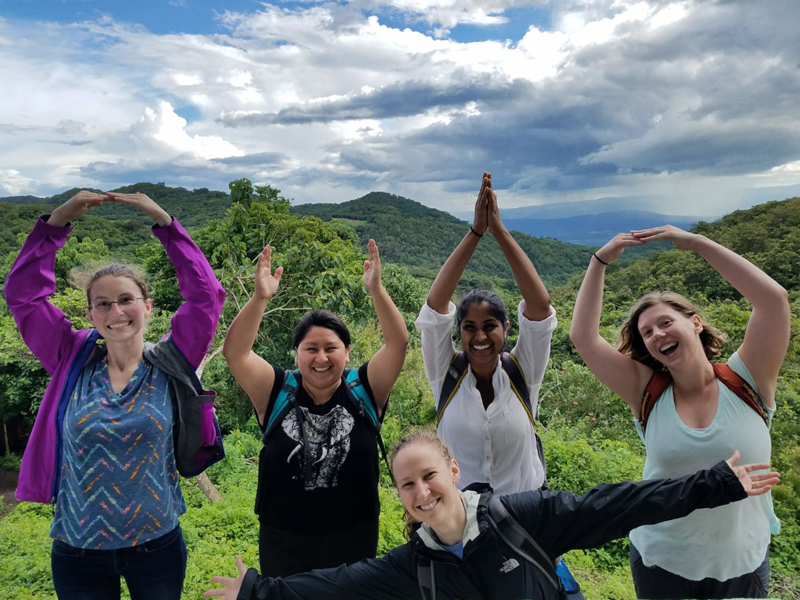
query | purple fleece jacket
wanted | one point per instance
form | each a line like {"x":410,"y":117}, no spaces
{"x":51,"y":338}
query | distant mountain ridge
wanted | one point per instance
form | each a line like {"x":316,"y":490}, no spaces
{"x":595,"y":229}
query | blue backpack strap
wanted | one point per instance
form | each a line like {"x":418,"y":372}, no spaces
{"x":513,"y":534}
{"x":452,"y":380}
{"x":366,"y":408}
{"x":283,"y":402}
{"x":359,"y":395}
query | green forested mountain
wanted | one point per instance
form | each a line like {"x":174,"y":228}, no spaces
{"x":407,"y":232}
{"x":422,"y":238}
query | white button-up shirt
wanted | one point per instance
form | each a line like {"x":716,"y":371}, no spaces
{"x":495,"y":445}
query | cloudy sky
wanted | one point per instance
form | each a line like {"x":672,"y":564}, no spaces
{"x":694,"y":103}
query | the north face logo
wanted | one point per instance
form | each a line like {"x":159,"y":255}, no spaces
{"x":509,"y":565}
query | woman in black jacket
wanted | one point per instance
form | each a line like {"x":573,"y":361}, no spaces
{"x":464,"y":551}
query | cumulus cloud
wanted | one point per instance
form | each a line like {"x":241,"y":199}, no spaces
{"x":331,"y":100}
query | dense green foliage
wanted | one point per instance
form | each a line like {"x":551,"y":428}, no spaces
{"x":587,"y":431}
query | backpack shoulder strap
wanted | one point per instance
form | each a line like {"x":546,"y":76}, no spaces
{"x":739,"y":386}
{"x":518,"y":384}
{"x":366,"y":408}
{"x":452,"y":380}
{"x":652,"y":392}
{"x":358,"y":394}
{"x":513,"y":534}
{"x":283,"y":402}
{"x":426,"y":578}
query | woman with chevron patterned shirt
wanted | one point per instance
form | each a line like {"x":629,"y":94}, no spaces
{"x":119,"y":420}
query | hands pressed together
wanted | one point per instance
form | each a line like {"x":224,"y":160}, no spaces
{"x":80,"y":203}
{"x":487,"y":212}
{"x":614,"y":249}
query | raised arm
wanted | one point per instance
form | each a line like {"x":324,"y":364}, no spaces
{"x":255,"y":375}
{"x":537,"y":300}
{"x":384,"y":368}
{"x":562,"y":521}
{"x":444,"y":286}
{"x":194,"y":324}
{"x":624,"y":376}
{"x":32,"y":280}
{"x":767,"y":335}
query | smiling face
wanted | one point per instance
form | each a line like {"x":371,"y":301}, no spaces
{"x":426,"y":482}
{"x":670,"y":336}
{"x":482,"y":336}
{"x":118,"y":324}
{"x":321,"y":357}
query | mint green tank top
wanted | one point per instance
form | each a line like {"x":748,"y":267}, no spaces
{"x":722,"y":542}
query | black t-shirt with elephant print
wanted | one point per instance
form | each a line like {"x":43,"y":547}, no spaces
{"x":343,"y":486}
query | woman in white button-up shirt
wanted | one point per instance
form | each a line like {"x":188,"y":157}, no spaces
{"x":485,"y":423}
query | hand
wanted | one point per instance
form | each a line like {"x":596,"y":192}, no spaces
{"x":232,"y":585}
{"x":614,"y":249}
{"x":76,"y":207}
{"x":679,"y":238}
{"x":372,"y":268}
{"x":754,"y":485}
{"x":481,"y":221}
{"x":493,"y":211}
{"x":144,"y":203}
{"x":267,"y":283}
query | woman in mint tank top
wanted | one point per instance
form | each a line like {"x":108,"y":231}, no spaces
{"x":698,"y":420}
{"x":110,"y":435}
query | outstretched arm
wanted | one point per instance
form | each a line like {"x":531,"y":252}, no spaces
{"x":255,"y":375}
{"x":767,"y":335}
{"x":537,"y":300}
{"x":444,"y":286}
{"x":624,"y":376}
{"x":384,"y":368}
{"x":390,"y":578}
{"x":562,"y":521}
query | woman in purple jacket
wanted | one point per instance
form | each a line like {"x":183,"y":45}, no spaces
{"x":102,"y":448}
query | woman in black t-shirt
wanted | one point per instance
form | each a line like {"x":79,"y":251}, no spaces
{"x":317,"y":496}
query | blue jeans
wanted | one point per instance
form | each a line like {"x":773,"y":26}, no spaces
{"x":153,"y":570}
{"x":656,"y":583}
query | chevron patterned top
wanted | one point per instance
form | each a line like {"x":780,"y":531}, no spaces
{"x":119,"y":484}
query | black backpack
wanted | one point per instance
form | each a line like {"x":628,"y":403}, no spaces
{"x":455,"y":375}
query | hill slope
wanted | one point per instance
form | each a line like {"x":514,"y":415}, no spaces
{"x":414,"y":235}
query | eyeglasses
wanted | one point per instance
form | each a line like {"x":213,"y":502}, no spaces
{"x":104,"y":306}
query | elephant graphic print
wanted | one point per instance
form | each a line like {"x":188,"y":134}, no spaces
{"x":329,"y":438}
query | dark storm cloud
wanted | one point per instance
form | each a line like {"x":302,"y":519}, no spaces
{"x":405,"y":99}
